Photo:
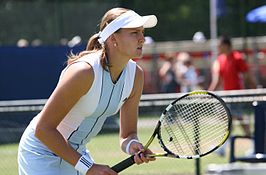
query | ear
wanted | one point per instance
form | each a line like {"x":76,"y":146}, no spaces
{"x":113,"y":40}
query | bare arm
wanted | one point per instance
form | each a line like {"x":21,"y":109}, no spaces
{"x":71,"y":87}
{"x":163,"y":70}
{"x":129,"y":118}
{"x":129,"y":111}
{"x":215,"y":76}
{"x":75,"y":83}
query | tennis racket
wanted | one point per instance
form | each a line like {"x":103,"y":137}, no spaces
{"x":191,"y":127}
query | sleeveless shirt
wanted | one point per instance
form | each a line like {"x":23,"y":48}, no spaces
{"x":102,"y":100}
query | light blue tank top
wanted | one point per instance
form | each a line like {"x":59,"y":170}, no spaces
{"x":110,"y":98}
{"x":88,"y":115}
{"x":81,"y":123}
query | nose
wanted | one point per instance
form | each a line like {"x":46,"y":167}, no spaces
{"x":142,"y":38}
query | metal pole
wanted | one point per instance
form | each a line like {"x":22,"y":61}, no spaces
{"x":197,"y":165}
{"x":213,"y":29}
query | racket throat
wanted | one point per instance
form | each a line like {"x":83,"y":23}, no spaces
{"x":156,"y":132}
{"x":161,"y":155}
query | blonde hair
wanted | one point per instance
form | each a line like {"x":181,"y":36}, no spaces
{"x":93,"y":44}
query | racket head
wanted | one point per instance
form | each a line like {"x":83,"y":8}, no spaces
{"x":194,"y":125}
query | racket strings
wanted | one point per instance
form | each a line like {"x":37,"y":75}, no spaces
{"x":192,"y":121}
{"x":171,"y":132}
{"x":170,"y":126}
{"x":218,"y":130}
{"x":186,"y":138}
{"x":194,"y":144}
{"x":193,"y":147}
{"x":219,"y":111}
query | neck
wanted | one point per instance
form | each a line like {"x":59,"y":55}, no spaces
{"x":117,"y":64}
{"x":228,"y":52}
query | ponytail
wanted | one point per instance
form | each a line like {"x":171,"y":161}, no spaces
{"x":92,"y":46}
{"x":93,"y":43}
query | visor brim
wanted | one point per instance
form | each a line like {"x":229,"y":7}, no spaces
{"x":148,"y":21}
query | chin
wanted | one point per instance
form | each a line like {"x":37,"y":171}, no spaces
{"x":137,"y":56}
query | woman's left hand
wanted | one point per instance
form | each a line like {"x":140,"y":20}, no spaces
{"x":140,"y":153}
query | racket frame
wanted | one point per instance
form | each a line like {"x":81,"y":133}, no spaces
{"x":130,"y":160}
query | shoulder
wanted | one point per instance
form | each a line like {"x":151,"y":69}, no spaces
{"x":217,"y":62}
{"x":92,"y":58}
{"x":216,"y":66}
{"x":80,"y":75}
{"x":166,"y":65}
{"x":139,"y":71}
{"x":221,"y":57}
{"x":139,"y":77}
{"x":138,"y":82}
{"x":81,"y":68}
{"x":237,"y":55}
{"x":133,"y":68}
{"x":85,"y":67}
{"x":239,"y":58}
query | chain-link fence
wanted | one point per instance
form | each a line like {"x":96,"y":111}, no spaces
{"x":15,"y":115}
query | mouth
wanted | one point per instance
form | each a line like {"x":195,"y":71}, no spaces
{"x":139,"y":48}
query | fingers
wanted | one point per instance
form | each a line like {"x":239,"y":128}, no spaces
{"x":141,"y":157}
{"x":111,"y":172}
{"x":140,"y":153}
{"x":136,"y":147}
{"x":149,"y":152}
{"x":101,"y":170}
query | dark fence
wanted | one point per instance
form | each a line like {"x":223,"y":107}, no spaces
{"x":31,"y":72}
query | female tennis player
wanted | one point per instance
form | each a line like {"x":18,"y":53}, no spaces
{"x":96,"y":83}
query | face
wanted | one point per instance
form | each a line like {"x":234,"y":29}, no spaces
{"x":222,"y":48}
{"x":130,"y":42}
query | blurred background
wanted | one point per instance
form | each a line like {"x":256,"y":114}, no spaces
{"x":36,"y":37}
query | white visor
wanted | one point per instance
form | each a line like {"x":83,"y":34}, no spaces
{"x":129,"y":19}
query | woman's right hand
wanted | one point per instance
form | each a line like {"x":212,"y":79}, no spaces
{"x":98,"y":169}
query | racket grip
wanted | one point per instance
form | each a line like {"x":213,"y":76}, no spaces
{"x":124,"y":164}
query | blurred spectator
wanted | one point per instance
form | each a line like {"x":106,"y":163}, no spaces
{"x":167,"y":74}
{"x":199,"y":37}
{"x":63,"y":41}
{"x":186,"y":73}
{"x":36,"y":43}
{"x":148,"y":40}
{"x":230,"y":69}
{"x":76,"y":40}
{"x":22,"y":43}
{"x":228,"y":72}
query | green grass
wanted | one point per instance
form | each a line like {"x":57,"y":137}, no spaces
{"x":110,"y":154}
{"x":105,"y":150}
{"x":8,"y":161}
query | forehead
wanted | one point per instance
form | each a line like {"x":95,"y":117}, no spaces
{"x":133,"y":29}
{"x":221,"y":43}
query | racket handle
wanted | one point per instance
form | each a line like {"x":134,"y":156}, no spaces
{"x":124,"y":164}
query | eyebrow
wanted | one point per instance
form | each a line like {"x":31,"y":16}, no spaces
{"x":137,"y":29}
